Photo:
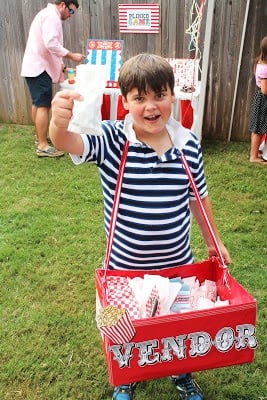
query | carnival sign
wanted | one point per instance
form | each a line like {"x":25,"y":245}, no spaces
{"x":139,"y":18}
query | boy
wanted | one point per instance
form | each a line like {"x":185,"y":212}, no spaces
{"x":153,"y":223}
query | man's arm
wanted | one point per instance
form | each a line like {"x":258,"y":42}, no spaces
{"x":77,"y":57}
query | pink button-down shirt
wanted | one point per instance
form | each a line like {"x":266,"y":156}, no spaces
{"x":44,"y":49}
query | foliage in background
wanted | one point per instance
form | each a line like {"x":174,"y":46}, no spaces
{"x":51,"y":242}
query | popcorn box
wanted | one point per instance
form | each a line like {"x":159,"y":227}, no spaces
{"x":189,"y":341}
{"x":115,"y":324}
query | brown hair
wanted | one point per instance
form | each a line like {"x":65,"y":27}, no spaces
{"x":262,"y":56}
{"x":146,"y":71}
{"x":68,"y":2}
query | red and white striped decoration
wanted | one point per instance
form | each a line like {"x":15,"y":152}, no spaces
{"x":139,"y":18}
{"x":122,"y":332}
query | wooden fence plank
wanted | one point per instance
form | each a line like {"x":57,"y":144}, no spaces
{"x":99,"y":19}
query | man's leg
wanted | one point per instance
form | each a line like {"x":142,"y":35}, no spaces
{"x":40,"y":88}
{"x":40,"y":116}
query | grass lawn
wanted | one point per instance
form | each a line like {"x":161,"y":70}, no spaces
{"x":51,"y":242}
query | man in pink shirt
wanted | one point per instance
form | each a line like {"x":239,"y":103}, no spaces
{"x":42,"y":65}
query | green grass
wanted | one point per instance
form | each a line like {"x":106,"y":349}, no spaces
{"x":51,"y":242}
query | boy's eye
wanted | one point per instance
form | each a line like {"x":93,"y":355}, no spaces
{"x":139,"y":99}
{"x":161,"y":94}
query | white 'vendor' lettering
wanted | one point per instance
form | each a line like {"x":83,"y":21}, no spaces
{"x":153,"y":351}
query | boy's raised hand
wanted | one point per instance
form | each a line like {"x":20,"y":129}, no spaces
{"x":62,"y":105}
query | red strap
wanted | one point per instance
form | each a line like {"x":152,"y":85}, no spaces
{"x":202,"y":209}
{"x":115,"y":208}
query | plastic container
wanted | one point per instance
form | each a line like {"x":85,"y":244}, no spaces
{"x":71,"y":76}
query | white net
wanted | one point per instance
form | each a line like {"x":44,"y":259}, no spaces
{"x":195,"y":20}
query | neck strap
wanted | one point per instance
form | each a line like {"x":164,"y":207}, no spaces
{"x":115,"y":208}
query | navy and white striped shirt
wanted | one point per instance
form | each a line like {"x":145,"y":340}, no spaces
{"x":153,"y":223}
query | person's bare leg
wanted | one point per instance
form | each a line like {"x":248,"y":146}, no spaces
{"x":41,"y":122}
{"x":40,"y":117}
{"x":254,"y":148}
{"x":34,"y":109}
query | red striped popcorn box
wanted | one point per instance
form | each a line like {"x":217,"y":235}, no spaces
{"x":116,"y":324}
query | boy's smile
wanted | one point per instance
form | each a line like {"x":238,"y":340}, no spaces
{"x":152,"y":117}
{"x":150,"y":111}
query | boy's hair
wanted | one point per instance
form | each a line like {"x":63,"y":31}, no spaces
{"x":144,"y":72}
{"x":68,"y":3}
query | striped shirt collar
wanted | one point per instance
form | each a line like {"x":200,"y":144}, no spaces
{"x":178,"y":134}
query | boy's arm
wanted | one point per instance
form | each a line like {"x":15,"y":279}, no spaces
{"x":62,"y":139}
{"x":204,"y":229}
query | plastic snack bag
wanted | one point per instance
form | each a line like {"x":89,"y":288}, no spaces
{"x":90,"y":83}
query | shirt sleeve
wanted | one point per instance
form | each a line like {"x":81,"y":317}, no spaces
{"x":52,"y":36}
{"x":77,"y":160}
{"x":194,"y":157}
{"x":96,"y":148}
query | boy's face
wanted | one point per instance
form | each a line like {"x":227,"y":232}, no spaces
{"x":150,"y":111}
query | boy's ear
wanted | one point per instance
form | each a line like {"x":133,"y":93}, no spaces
{"x":124,"y":103}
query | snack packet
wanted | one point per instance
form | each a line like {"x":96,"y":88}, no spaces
{"x":90,"y":83}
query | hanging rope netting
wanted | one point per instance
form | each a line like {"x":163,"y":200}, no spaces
{"x":195,"y":20}
{"x":193,"y":30}
{"x":187,"y":70}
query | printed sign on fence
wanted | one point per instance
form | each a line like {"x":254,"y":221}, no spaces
{"x":139,"y":18}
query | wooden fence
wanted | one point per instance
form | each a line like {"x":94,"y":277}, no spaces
{"x":236,"y":30}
